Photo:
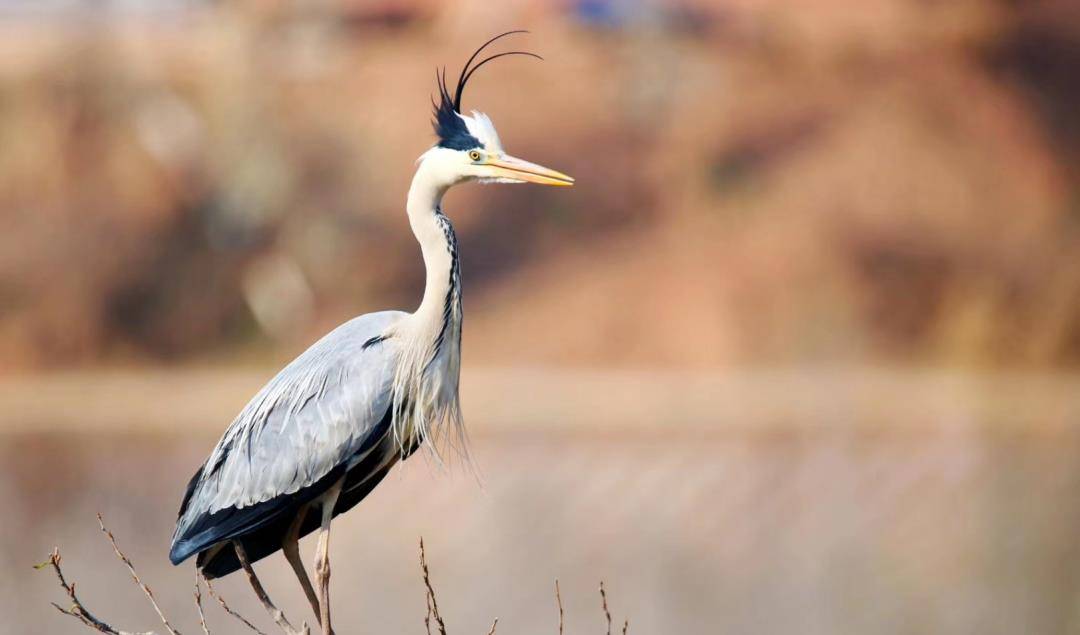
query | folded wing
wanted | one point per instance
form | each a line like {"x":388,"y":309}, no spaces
{"x":314,"y":419}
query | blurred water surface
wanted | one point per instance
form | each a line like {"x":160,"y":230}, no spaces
{"x":761,"y":527}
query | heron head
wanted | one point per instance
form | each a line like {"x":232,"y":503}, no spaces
{"x":469,"y":148}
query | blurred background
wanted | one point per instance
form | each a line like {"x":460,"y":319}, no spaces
{"x":799,"y":352}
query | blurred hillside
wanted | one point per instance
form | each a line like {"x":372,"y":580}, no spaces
{"x":757,"y":181}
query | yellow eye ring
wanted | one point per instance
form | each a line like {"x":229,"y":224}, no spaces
{"x":474,"y":155}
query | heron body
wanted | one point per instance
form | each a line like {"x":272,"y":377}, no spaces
{"x":323,"y":416}
{"x":325,"y":431}
{"x":329,"y":413}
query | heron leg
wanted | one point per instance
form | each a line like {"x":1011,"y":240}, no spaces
{"x":275,"y":613}
{"x":290,"y":546}
{"x":322,"y":555}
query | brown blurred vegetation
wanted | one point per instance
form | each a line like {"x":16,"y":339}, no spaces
{"x":758,"y":181}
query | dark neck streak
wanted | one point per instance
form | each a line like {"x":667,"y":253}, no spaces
{"x":451,"y":317}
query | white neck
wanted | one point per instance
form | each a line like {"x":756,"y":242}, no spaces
{"x":422,"y":206}
{"x":426,"y":379}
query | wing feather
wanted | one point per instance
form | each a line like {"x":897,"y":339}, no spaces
{"x":315,"y":415}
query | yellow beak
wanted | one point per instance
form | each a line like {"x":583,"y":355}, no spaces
{"x":510,"y":167}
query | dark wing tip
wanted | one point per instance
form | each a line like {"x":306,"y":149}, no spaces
{"x":180,"y":551}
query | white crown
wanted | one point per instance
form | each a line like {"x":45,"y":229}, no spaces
{"x":480,"y":126}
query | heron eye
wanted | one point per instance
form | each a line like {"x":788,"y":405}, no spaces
{"x":474,"y":155}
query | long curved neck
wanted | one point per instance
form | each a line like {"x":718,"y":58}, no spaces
{"x":429,"y":352}
{"x":425,"y":386}
{"x":440,"y":307}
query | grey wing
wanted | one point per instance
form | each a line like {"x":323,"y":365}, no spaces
{"x":317,"y":414}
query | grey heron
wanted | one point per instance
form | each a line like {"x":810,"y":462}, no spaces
{"x":324,"y":431}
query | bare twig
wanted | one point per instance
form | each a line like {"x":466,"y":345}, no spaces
{"x":135,"y":576}
{"x":607,"y":613}
{"x":228,"y":609}
{"x":198,"y":604}
{"x":427,"y":618}
{"x":558,"y":600}
{"x":277,"y":614}
{"x":77,"y":610}
{"x":430,"y":591}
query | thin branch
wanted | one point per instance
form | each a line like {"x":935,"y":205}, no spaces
{"x":607,"y":613}
{"x":228,"y":609}
{"x":135,"y":576}
{"x":198,"y":604}
{"x":431,"y":591}
{"x":558,"y":600}
{"x":77,"y":610}
{"x":277,"y":614}
{"x":427,"y":618}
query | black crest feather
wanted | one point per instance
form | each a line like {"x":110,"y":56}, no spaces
{"x":449,"y":127}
